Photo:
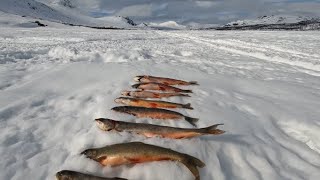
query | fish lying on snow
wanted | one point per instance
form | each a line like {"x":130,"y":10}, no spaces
{"x":149,"y":94}
{"x":150,"y":103}
{"x":150,"y":130}
{"x":159,"y":87}
{"x":166,"y":81}
{"x":138,"y":152}
{"x":154,"y":113}
{"x":73,"y":175}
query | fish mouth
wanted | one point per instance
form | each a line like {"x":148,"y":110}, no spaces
{"x":135,"y":86}
{"x":118,"y":100}
{"x":137,"y":78}
{"x":125,"y":93}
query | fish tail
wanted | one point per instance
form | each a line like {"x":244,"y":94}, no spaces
{"x":213,"y":129}
{"x":192,"y":163}
{"x":186,"y":91}
{"x":191,"y":120}
{"x":193,"y":83}
{"x":187,"y":106}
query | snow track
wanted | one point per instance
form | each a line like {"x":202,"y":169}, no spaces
{"x":271,"y":53}
{"x":264,"y":86}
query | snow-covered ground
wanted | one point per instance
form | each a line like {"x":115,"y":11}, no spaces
{"x":264,"y":86}
{"x":273,"y":19}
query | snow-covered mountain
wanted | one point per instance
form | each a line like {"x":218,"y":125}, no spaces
{"x":274,"y":22}
{"x":61,"y":11}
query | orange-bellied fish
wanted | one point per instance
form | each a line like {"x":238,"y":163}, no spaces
{"x":159,"y":87}
{"x":150,"y":103}
{"x":154,"y":113}
{"x":149,"y":94}
{"x":138,"y":152}
{"x":163,"y":80}
{"x":151,"y":130}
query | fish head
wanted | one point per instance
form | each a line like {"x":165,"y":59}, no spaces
{"x":65,"y":175}
{"x":125,"y":93}
{"x":120,"y":109}
{"x":138,"y":78}
{"x":122,"y":100}
{"x":135,"y":86}
{"x":90,"y":153}
{"x":106,"y":124}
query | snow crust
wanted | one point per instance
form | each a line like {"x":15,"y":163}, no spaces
{"x":264,"y":86}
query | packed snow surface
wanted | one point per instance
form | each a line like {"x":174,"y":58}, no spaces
{"x":264,"y":86}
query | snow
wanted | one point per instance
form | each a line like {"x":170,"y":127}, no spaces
{"x":264,"y":86}
{"x":273,"y":19}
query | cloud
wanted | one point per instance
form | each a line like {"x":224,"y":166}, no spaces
{"x":202,"y":11}
{"x":144,"y":10}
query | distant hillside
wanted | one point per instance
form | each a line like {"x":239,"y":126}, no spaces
{"x":61,"y":11}
{"x":274,"y":23}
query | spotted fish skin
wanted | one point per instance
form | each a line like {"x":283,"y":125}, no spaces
{"x":150,"y":130}
{"x":150,"y":103}
{"x":163,"y":80}
{"x":138,"y":152}
{"x":159,"y":87}
{"x":73,"y":175}
{"x":154,"y":113}
{"x":149,"y":94}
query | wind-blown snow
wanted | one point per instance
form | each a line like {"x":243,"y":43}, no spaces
{"x":264,"y":86}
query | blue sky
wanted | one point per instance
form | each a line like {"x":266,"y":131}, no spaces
{"x":202,"y":11}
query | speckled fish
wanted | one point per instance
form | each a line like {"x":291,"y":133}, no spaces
{"x":73,"y":175}
{"x":150,"y":103}
{"x":138,"y":152}
{"x":159,"y":87}
{"x":149,"y":94}
{"x":150,"y":130}
{"x":154,"y":113}
{"x":163,"y":80}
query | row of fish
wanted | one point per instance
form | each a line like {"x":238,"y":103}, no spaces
{"x":138,"y":152}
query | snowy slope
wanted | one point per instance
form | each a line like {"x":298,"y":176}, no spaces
{"x":274,"y":23}
{"x":264,"y":86}
{"x":58,"y":13}
{"x":273,"y":19}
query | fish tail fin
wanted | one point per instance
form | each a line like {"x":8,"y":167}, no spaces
{"x":191,"y":120}
{"x":213,"y":129}
{"x":186,"y":91}
{"x":185,"y":95}
{"x":192,"y":163}
{"x":187,"y":106}
{"x":193,"y":83}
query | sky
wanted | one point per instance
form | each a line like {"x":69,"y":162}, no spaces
{"x":200,"y":11}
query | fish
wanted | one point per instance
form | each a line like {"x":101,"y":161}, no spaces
{"x":163,"y":80}
{"x":138,"y":152}
{"x":150,"y":103}
{"x":154,"y":113}
{"x":73,"y":175}
{"x":150,"y":130}
{"x":149,"y":94}
{"x":159,"y":87}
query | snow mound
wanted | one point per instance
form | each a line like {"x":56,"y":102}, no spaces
{"x":167,"y":25}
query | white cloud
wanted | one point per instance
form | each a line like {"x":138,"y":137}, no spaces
{"x":144,"y":10}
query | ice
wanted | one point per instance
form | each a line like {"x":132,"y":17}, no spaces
{"x":264,"y":87}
